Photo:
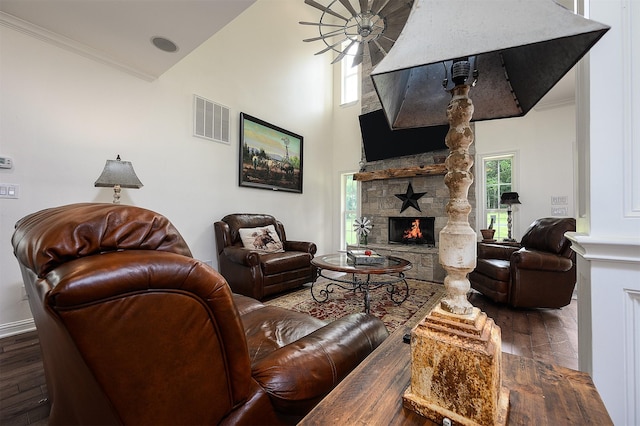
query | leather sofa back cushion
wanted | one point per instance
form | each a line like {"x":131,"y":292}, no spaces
{"x":237,"y":221}
{"x":264,"y":238}
{"x":51,"y":237}
{"x":547,"y":234}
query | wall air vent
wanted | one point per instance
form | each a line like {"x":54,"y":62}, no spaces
{"x":210,"y":120}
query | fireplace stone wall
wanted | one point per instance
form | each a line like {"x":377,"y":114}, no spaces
{"x":379,"y":201}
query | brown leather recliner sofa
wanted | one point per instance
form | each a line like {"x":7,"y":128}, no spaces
{"x":133,"y":330}
{"x":256,"y":273}
{"x":539,"y":274}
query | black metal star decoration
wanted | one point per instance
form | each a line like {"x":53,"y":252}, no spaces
{"x":410,"y":199}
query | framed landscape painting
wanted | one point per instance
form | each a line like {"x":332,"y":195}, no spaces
{"x":270,"y":156}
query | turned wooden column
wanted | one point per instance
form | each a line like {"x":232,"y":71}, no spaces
{"x":457,"y":239}
{"x":456,"y":350}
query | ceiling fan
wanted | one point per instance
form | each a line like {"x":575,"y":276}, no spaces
{"x":377,"y":26}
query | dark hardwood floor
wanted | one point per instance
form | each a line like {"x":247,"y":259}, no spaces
{"x":549,"y":335}
{"x":23,"y":392}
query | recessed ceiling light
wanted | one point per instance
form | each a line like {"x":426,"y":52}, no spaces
{"x":164,"y":44}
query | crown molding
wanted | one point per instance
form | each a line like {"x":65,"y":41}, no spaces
{"x":68,"y":44}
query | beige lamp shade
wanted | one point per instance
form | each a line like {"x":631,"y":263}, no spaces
{"x":118,"y":172}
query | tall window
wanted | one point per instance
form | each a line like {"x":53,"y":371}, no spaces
{"x":498,"y":178}
{"x":350,"y":76}
{"x":350,"y":200}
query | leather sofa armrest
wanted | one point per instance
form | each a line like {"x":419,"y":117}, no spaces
{"x":301,"y":373}
{"x":538,"y":260}
{"x":241,"y":256}
{"x":223,"y":235}
{"x":300,"y":246}
{"x":496,"y":251}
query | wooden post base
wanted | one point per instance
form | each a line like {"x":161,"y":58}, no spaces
{"x":456,"y":370}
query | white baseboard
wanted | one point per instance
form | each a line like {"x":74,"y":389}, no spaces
{"x":17,"y":327}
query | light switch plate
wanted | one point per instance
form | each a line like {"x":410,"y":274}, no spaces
{"x":559,"y":200}
{"x":9,"y":190}
{"x":559,"y":211}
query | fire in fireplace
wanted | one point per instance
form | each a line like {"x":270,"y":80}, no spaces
{"x":412,"y":230}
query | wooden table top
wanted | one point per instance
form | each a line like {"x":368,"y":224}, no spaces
{"x":540,"y":394}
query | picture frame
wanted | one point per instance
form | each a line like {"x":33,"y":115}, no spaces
{"x":270,"y":156}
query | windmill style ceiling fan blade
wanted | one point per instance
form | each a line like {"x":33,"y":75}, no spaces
{"x":344,"y":52}
{"x":398,"y":15}
{"x":326,"y":35}
{"x":324,"y":9}
{"x":320,"y":24}
{"x":359,"y":56}
{"x":331,"y":47}
{"x":376,"y":53}
{"x":393,"y":32}
{"x":385,"y":43}
{"x":369,"y":26}
{"x":394,"y":6}
{"x":349,"y":7}
{"x":377,"y":5}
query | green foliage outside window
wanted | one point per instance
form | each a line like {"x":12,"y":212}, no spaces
{"x":350,"y":209}
{"x":498,"y":179}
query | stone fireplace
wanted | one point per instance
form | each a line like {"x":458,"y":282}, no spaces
{"x":380,"y":204}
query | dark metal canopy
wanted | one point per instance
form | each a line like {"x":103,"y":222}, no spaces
{"x":520,"y":48}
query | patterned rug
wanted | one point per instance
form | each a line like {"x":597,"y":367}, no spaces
{"x":423,"y":296}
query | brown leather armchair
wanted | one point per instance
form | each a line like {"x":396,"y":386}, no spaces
{"x":539,"y":274}
{"x":256,"y":273}
{"x":133,"y":330}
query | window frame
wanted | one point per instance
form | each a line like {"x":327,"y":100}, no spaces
{"x":501,"y":212}
{"x":349,"y":77}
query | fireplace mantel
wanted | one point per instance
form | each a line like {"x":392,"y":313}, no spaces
{"x":428,"y":170}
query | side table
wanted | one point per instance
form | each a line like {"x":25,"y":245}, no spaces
{"x":540,"y":393}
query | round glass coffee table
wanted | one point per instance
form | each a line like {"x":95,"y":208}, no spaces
{"x":363,"y":277}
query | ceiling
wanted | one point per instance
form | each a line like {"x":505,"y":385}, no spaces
{"x":119,"y":32}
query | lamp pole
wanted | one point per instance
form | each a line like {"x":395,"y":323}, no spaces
{"x":509,"y":223}
{"x":457,"y":238}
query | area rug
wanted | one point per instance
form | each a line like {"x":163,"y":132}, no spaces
{"x":423,"y":296}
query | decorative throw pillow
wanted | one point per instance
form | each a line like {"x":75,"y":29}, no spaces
{"x":264,"y":238}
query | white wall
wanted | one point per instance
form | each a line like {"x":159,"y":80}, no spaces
{"x":543,"y":141}
{"x":62,"y":115}
{"x":608,"y":237}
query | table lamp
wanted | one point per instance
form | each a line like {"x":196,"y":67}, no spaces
{"x":509,"y":198}
{"x":118,"y":174}
{"x":513,"y":52}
